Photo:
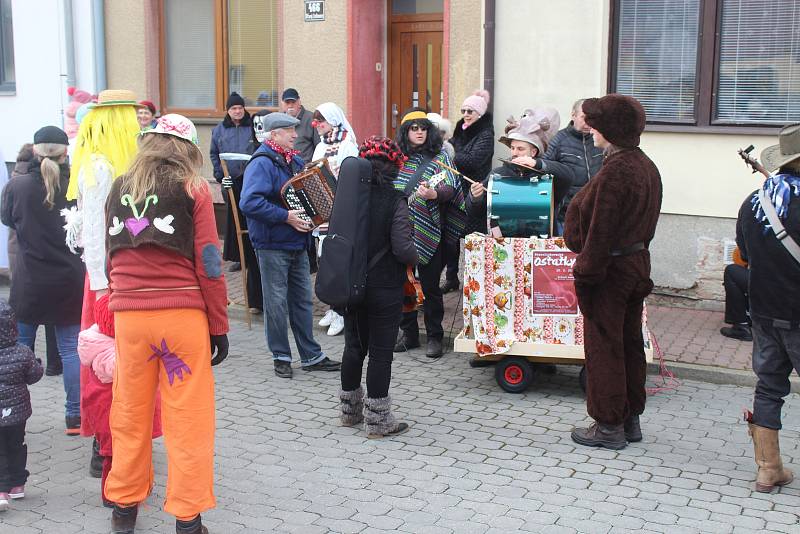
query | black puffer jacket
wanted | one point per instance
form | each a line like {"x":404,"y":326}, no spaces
{"x":474,"y":149}
{"x":572,"y":152}
{"x":19,"y":368}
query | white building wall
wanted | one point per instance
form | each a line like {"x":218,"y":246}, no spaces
{"x":552,"y":53}
{"x":40,"y":69}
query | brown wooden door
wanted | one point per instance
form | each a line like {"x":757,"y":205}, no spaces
{"x":415,"y":67}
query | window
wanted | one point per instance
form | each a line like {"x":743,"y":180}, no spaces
{"x":8,"y":80}
{"x":211,"y":48}
{"x":715,"y":64}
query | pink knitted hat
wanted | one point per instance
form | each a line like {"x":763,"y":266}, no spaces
{"x":477,"y":101}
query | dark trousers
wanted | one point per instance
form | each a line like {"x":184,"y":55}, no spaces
{"x":776,"y":351}
{"x":254,"y":291}
{"x":433,"y":308}
{"x":53,"y":357}
{"x":452,"y":255}
{"x":614,"y":345}
{"x":13,"y":457}
{"x":372,"y":329}
{"x":734,"y":279}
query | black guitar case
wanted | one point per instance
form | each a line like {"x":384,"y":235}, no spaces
{"x":342,"y":276}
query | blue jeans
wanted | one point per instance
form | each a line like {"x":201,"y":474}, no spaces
{"x":67,"y":340}
{"x":286,"y":284}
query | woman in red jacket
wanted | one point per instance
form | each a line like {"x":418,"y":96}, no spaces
{"x":170,"y":311}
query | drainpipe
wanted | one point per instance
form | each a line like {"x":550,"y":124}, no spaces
{"x":488,"y":49}
{"x":69,"y":41}
{"x":99,"y":43}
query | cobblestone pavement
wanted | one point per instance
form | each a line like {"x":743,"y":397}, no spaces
{"x":685,"y":335}
{"x":476,"y":460}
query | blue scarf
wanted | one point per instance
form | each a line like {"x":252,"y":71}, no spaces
{"x":779,"y":189}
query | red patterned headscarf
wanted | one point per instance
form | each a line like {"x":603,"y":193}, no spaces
{"x":382,"y":147}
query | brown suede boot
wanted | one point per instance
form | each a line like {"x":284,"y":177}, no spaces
{"x":601,"y":435}
{"x":771,"y":472}
{"x":123,"y":519}
{"x":633,"y":430}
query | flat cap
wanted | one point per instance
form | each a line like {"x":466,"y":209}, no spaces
{"x":273,"y":121}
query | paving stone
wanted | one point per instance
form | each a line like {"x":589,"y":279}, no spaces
{"x":476,"y":459}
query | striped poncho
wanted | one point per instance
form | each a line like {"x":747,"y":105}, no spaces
{"x":429,"y":220}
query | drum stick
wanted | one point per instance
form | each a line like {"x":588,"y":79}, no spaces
{"x":451,"y":169}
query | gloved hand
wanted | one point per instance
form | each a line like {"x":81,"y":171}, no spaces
{"x":219,"y":344}
{"x":227,"y":182}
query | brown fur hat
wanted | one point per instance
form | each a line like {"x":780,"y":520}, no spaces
{"x":620,"y":118}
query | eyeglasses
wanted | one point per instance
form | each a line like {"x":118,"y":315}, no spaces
{"x":468,"y":111}
{"x":417,"y":128}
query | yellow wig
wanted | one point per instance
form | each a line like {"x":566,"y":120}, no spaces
{"x":110,"y":131}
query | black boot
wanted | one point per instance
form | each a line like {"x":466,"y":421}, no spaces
{"x":406,"y":342}
{"x":54,"y":365}
{"x":633,"y":432}
{"x":123,"y":519}
{"x":96,"y":463}
{"x":601,"y":435}
{"x":737,"y":331}
{"x":434,"y":348}
{"x":193,"y":526}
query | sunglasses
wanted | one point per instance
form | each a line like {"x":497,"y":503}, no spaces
{"x":468,"y":111}
{"x":417,"y":128}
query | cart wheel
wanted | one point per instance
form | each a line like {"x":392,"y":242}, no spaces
{"x":582,"y":378}
{"x":514,"y":374}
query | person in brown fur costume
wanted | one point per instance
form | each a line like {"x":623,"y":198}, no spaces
{"x":610,"y":224}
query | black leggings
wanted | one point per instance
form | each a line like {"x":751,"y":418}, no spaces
{"x":433,"y":309}
{"x":372,"y":329}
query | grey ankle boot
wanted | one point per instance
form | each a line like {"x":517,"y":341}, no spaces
{"x":352,"y":405}
{"x":380,"y":420}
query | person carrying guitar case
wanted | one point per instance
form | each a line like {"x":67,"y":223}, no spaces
{"x":361,"y":274}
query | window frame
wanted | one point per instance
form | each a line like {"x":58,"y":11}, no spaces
{"x":7,"y":88}
{"x":222,"y":65}
{"x":706,"y":75}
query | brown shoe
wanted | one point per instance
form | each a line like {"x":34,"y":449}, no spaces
{"x":123,"y":519}
{"x":601,"y":435}
{"x":771,"y":473}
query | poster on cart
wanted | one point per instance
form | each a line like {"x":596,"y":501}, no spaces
{"x":553,"y":287}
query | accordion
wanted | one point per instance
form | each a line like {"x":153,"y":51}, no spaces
{"x":312,"y":191}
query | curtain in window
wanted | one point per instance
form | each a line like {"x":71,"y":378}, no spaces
{"x":657,"y":56}
{"x":253,"y":51}
{"x":190,"y":54}
{"x":759,"y":62}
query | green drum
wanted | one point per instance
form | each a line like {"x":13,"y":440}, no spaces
{"x":520,"y":207}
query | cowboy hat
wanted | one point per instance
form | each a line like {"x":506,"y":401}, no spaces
{"x":787,"y":150}
{"x":116,"y":97}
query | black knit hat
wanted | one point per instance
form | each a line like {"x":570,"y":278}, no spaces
{"x":234,"y":100}
{"x":50,"y":134}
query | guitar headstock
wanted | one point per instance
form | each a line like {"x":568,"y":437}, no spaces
{"x":751,"y":161}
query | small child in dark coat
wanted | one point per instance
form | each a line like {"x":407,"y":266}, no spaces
{"x":19,"y":368}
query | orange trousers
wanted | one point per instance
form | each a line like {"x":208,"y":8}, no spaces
{"x":169,"y":350}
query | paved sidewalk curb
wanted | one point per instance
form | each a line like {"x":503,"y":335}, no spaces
{"x":683,"y":371}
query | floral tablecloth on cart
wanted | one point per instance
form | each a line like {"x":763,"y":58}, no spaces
{"x":499,"y":307}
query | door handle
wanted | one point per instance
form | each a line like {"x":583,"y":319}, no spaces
{"x":395,"y":113}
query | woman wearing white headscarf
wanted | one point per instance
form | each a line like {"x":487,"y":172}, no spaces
{"x":337,"y":138}
{"x":337,"y":142}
